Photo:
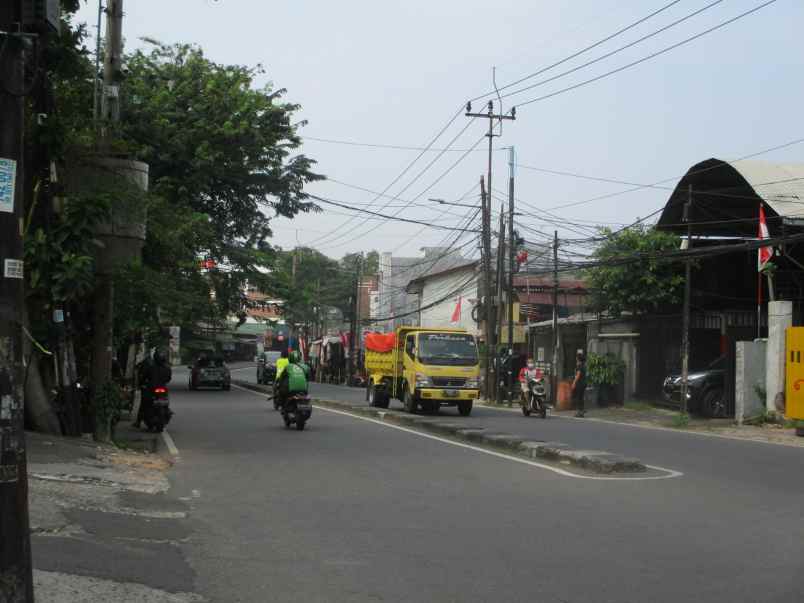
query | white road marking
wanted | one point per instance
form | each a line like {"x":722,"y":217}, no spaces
{"x":171,"y":445}
{"x":669,"y":473}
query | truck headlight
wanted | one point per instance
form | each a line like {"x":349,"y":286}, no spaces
{"x":473,"y":383}
{"x":423,"y":380}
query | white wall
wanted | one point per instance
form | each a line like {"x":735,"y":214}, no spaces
{"x":440,"y":314}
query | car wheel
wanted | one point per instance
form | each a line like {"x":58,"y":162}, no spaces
{"x":714,"y":404}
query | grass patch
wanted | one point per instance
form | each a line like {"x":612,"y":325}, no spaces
{"x":681,"y":420}
{"x":637,"y":405}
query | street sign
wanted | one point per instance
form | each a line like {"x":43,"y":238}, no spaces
{"x":8,"y":174}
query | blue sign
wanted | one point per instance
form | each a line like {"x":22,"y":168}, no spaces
{"x":8,"y":174}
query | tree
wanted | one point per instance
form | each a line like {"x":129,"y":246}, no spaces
{"x":643,"y":286}
{"x":221,"y":167}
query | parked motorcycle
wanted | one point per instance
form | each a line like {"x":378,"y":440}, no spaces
{"x":535,"y":400}
{"x":158,"y":415}
{"x":297,"y":410}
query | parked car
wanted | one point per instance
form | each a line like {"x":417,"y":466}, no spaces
{"x":705,"y":390}
{"x":210,"y":372}
{"x":266,"y":367}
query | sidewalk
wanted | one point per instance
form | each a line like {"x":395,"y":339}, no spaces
{"x":646,"y":415}
{"x":103,"y":525}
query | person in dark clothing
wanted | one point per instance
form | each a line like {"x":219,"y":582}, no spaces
{"x":579,"y":384}
{"x":153,"y":372}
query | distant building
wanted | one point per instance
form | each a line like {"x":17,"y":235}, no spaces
{"x":395,"y":304}
{"x":444,"y":295}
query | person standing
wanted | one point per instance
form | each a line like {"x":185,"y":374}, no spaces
{"x":579,"y":384}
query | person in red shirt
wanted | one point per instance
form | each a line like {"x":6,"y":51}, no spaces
{"x":529,"y":371}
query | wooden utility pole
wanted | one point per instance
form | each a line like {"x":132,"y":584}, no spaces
{"x":490,"y":380}
{"x":685,"y":328}
{"x":16,"y":581}
{"x":554,"y":371}
{"x":511,"y":252}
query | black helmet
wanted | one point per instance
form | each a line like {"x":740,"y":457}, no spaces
{"x":159,"y":356}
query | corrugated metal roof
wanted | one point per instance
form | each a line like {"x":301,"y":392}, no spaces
{"x":780,"y":185}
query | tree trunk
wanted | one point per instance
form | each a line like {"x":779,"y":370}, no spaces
{"x":39,"y":411}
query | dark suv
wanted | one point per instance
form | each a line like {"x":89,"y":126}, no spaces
{"x":705,"y":390}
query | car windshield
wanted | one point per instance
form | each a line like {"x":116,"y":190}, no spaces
{"x":447,"y":348}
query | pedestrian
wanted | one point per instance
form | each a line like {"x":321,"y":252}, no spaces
{"x":579,"y":384}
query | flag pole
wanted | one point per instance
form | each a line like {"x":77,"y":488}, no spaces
{"x":759,"y":303}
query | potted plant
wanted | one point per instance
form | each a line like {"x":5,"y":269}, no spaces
{"x":605,"y":372}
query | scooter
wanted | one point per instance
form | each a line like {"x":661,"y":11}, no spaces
{"x":297,"y":410}
{"x":158,"y":414}
{"x":535,"y":400}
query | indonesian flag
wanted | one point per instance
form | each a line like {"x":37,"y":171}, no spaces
{"x":764,"y":253}
{"x":456,"y":314}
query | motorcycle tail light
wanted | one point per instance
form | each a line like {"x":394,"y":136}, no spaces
{"x":160,"y":390}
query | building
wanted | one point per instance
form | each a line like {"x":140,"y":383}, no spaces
{"x":443,"y":296}
{"x":397,"y":307}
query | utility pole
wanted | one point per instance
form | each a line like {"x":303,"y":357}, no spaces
{"x":358,"y":310}
{"x":498,"y":306}
{"x":511,"y":252}
{"x":103,"y":301}
{"x":685,"y":328}
{"x":16,"y":579}
{"x":554,"y":384}
{"x":490,"y":344}
{"x":486,"y":253}
{"x":353,"y":322}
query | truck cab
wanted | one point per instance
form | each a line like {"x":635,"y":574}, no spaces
{"x":427,"y":369}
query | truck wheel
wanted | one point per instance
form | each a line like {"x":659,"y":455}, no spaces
{"x":465,"y":408}
{"x":381,"y":398}
{"x":410,"y":402}
{"x":371,"y":395}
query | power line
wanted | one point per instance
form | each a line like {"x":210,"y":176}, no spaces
{"x":648,"y":57}
{"x":616,"y":51}
{"x":579,"y":52}
{"x":396,"y":147}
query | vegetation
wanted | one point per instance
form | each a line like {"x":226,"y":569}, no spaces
{"x":630,"y":276}
{"x":604,"y":369}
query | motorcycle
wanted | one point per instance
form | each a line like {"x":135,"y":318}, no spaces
{"x":535,"y":400}
{"x":297,"y":410}
{"x":158,"y":414}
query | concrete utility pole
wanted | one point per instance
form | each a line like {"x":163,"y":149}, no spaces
{"x":685,"y":328}
{"x":511,"y":252}
{"x":486,"y":257}
{"x":490,"y":343}
{"x":16,"y":581}
{"x":554,"y":384}
{"x":498,"y":307}
{"x":355,"y":319}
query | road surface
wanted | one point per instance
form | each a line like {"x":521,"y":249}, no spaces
{"x":351,"y":510}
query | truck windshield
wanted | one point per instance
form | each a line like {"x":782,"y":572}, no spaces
{"x":447,"y":348}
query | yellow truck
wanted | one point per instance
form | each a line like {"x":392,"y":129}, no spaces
{"x":423,"y":367}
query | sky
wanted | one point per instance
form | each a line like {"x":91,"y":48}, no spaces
{"x":395,"y":73}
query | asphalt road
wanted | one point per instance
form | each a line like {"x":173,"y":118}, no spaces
{"x":351,"y":510}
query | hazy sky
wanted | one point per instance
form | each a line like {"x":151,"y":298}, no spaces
{"x":394,"y":73}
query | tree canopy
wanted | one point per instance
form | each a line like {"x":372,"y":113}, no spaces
{"x":637,"y":285}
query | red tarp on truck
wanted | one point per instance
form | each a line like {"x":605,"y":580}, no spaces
{"x":380,"y":342}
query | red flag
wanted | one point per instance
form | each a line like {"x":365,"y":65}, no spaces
{"x":764,"y":253}
{"x":456,"y":314}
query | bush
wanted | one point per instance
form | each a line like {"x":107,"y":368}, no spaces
{"x":605,"y":369}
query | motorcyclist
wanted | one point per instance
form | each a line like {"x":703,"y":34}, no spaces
{"x":292,"y":380}
{"x":528,"y":372}
{"x":153,"y":372}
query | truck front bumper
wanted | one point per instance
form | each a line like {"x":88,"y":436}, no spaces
{"x":447,"y":395}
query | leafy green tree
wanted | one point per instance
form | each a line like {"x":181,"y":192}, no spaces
{"x":221,"y":160}
{"x":624,"y":283}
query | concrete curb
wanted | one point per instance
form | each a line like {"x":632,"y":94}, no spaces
{"x":596,"y":461}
